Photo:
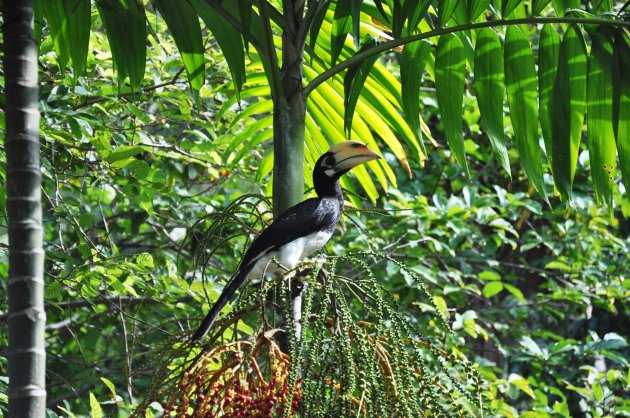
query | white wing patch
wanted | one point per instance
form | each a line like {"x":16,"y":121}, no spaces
{"x":290,"y":254}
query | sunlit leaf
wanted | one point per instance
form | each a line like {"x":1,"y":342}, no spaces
{"x":492,"y":288}
{"x":622,"y":52}
{"x":446,"y":9}
{"x":69,"y":23}
{"x":450,"y":65}
{"x":183,"y":23}
{"x":509,"y":6}
{"x":124,"y":152}
{"x":95,"y":408}
{"x":601,"y":137}
{"x":538,"y":6}
{"x":412,"y":62}
{"x":228,"y":38}
{"x":125,"y":24}
{"x":416,"y":10}
{"x":489,"y":84}
{"x":476,"y":7}
{"x":520,"y":76}
{"x":568,"y":106}
{"x":548,"y":51}
{"x":342,"y":23}
{"x":353,"y":84}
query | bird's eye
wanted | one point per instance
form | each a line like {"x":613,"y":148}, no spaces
{"x":329,"y":161}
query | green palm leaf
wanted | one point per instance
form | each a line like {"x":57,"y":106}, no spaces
{"x":520,"y":76}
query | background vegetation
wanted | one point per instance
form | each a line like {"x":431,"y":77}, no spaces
{"x":534,"y":296}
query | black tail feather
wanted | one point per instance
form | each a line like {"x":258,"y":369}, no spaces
{"x":216,"y":309}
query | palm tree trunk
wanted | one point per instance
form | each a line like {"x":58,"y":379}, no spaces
{"x":26,"y":353}
{"x":289,"y":116}
{"x":289,"y":124}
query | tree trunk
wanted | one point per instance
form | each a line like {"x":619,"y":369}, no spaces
{"x":288,"y":137}
{"x":289,"y":116}
{"x":26,"y":353}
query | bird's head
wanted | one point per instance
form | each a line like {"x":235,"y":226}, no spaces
{"x":344,"y":156}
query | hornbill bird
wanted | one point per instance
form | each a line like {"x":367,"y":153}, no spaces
{"x":301,"y":230}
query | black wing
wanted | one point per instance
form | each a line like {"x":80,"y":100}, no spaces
{"x":316,"y":214}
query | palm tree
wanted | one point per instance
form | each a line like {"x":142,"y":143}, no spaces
{"x":26,"y":316}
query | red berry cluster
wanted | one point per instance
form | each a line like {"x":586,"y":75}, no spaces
{"x":230,"y":384}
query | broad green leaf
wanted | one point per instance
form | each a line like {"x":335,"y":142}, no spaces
{"x":245,"y":13}
{"x":230,"y":40}
{"x":385,"y":86}
{"x":440,"y":303}
{"x":110,"y":386}
{"x":491,"y":289}
{"x":450,"y":65}
{"x":124,"y":152}
{"x":69,"y":23}
{"x":600,"y":6}
{"x":342,"y":22}
{"x":561,"y":6}
{"x":476,"y":8}
{"x":538,"y":6}
{"x":416,"y":10}
{"x":601,"y":137}
{"x":489,"y":84}
{"x":548,"y":51}
{"x":520,"y":77}
{"x":125,"y":24}
{"x":267,"y":50}
{"x":353,"y":84}
{"x":398,"y":18}
{"x":183,"y":23}
{"x":521,"y":383}
{"x":531,"y":346}
{"x":244,"y":136}
{"x":264,"y":167}
{"x":445,"y":10}
{"x":515,"y":291}
{"x":509,"y":6}
{"x":95,"y":407}
{"x":412,"y":61}
{"x":568,"y":106}
{"x":622,"y":52}
{"x":253,"y":141}
{"x":316,"y":25}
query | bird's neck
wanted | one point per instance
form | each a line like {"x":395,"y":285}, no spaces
{"x":328,"y":187}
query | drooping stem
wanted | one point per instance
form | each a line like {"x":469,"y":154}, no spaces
{"x":26,"y":317}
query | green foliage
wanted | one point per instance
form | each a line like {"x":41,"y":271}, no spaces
{"x":138,"y":177}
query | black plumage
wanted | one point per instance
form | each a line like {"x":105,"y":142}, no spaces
{"x":301,"y":230}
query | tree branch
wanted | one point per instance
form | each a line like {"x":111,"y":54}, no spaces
{"x":386,"y":46}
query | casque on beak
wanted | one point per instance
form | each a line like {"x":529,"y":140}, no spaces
{"x":349,"y":154}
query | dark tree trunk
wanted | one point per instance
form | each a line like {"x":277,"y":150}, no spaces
{"x":289,"y":115}
{"x":26,"y":354}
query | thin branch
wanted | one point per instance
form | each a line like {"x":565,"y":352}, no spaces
{"x":386,"y":46}
{"x":90,"y":101}
{"x":127,"y":301}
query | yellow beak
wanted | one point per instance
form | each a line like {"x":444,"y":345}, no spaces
{"x":349,"y":154}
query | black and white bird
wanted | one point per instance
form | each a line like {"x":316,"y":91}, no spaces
{"x":301,"y":230}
